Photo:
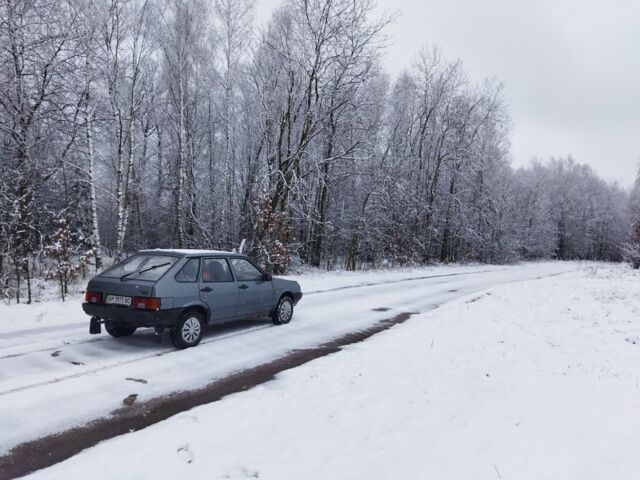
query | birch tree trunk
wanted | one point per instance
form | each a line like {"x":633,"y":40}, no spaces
{"x":97,"y":244}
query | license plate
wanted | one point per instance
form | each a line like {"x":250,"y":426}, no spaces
{"x":118,"y":300}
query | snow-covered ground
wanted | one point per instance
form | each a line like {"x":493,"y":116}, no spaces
{"x":54,"y":375}
{"x":527,"y":380}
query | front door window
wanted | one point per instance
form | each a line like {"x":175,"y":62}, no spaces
{"x":245,"y":270}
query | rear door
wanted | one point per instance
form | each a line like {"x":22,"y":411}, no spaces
{"x":255,"y":294}
{"x":218,"y":289}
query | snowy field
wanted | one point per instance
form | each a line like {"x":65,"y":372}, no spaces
{"x":514,"y":376}
{"x":536,"y":379}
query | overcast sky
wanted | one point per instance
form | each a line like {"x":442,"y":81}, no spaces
{"x":571,"y":69}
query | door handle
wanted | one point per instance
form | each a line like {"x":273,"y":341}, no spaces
{"x":243,"y":287}
{"x":206,"y":289}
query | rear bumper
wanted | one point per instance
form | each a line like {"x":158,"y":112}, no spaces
{"x":129,"y":316}
{"x":296,"y":297}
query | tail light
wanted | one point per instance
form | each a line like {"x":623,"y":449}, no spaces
{"x":146,"y":303}
{"x":92,"y":297}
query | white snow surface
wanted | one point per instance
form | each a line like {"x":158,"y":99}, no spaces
{"x":55,"y":375}
{"x":529,"y":380}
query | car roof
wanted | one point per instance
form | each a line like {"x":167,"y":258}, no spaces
{"x":190,"y":252}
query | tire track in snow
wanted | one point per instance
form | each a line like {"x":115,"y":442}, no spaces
{"x":410,"y":279}
{"x":52,"y":349}
{"x":159,"y":353}
{"x":30,"y":331}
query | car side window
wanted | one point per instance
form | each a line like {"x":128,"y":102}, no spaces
{"x":189,"y":272}
{"x":216,"y":270}
{"x":245,"y":270}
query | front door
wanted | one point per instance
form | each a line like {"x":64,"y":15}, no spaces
{"x":255,"y":294}
{"x":218,"y":290}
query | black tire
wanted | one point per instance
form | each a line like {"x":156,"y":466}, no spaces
{"x":118,"y":330}
{"x":283,"y":311}
{"x":188,"y":330}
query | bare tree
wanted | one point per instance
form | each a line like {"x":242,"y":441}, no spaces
{"x":38,"y":48}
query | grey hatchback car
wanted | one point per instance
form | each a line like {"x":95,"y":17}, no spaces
{"x":184,"y":291}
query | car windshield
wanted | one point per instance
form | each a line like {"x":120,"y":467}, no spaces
{"x":140,"y":267}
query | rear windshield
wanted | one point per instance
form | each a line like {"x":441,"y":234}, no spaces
{"x":132,"y":267}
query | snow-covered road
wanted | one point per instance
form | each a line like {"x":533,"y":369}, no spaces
{"x":56,"y":376}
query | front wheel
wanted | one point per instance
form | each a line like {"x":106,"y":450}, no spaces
{"x":283,"y":312}
{"x":118,"y":331}
{"x":188,"y":330}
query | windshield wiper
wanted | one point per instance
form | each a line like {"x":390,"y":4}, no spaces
{"x":144,"y":270}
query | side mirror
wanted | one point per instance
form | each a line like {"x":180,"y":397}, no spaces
{"x":267,"y":277}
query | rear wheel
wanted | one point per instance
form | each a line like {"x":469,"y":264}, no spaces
{"x":189,"y":330}
{"x":284,"y":311}
{"x":119,"y":330}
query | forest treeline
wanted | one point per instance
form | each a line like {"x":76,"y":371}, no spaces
{"x":128,"y":124}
